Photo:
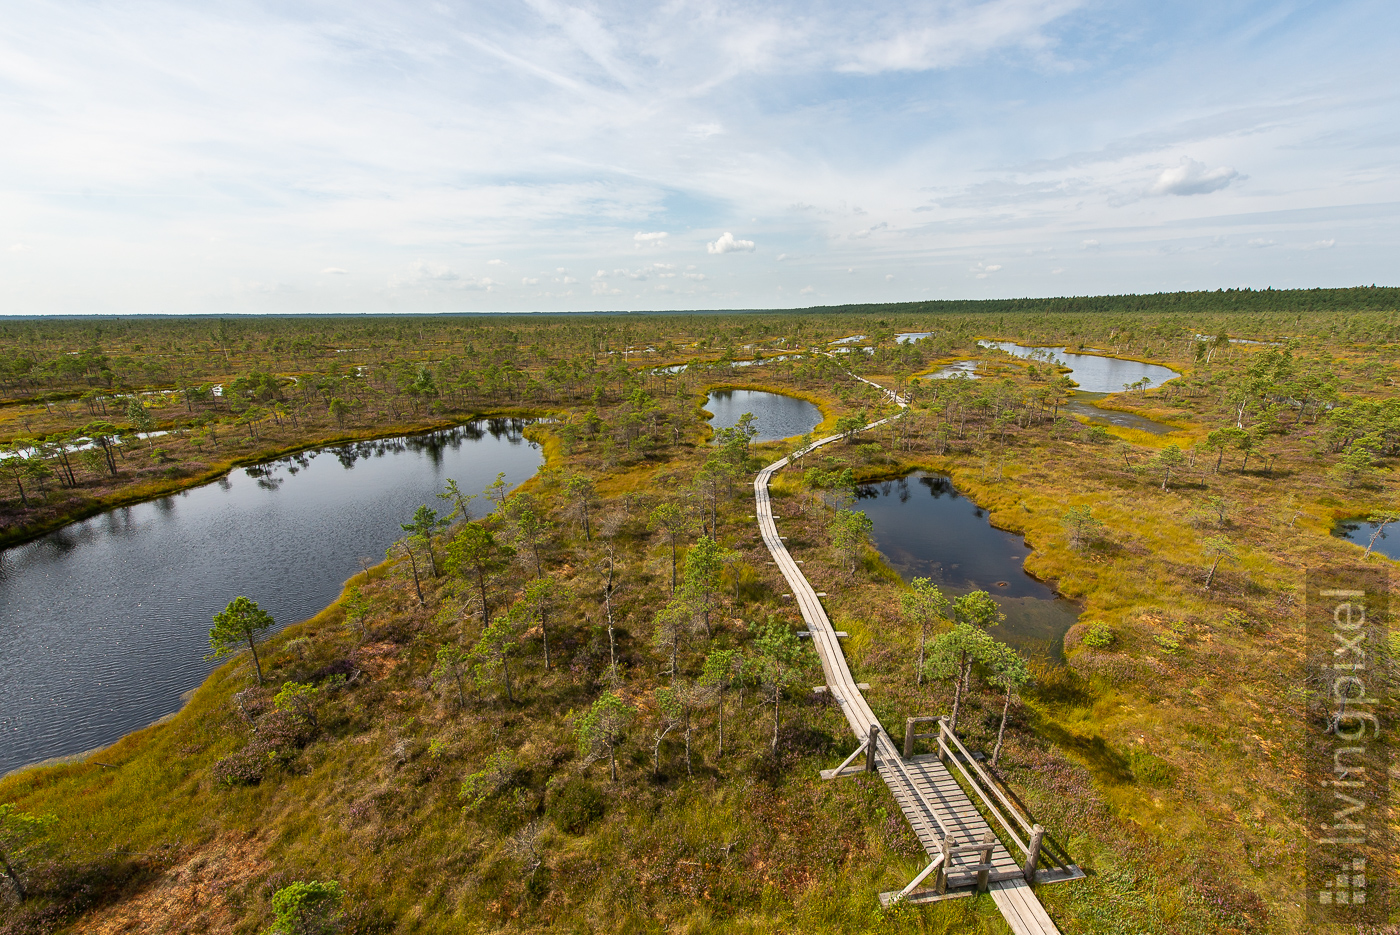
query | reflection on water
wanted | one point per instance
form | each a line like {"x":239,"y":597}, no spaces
{"x":105,"y":623}
{"x":1360,"y":532}
{"x":1087,"y":405}
{"x":778,"y":416}
{"x":1093,"y":373}
{"x":960,"y":368}
{"x":925,"y":528}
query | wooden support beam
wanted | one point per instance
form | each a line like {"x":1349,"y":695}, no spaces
{"x":1033,"y":853}
{"x":841,"y":770}
{"x":985,"y":860}
{"x":910,"y":736}
{"x":871,"y":742}
{"x":889,"y":899}
{"x":940,"y":882}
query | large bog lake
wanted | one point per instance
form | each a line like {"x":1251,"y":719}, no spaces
{"x":104,"y":624}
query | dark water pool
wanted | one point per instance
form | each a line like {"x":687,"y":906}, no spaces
{"x":105,"y":623}
{"x":1360,"y":532}
{"x":1087,"y":405}
{"x":925,"y":528}
{"x":778,"y":416}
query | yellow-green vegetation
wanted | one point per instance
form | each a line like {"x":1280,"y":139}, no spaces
{"x":420,"y":754}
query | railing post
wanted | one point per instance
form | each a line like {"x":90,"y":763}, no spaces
{"x":984,"y":860}
{"x":940,"y":881}
{"x":942,"y":747}
{"x":1033,"y":853}
{"x":908,"y":737}
{"x":870,"y":748}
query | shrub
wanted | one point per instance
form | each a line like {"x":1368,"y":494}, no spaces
{"x":480,"y":786}
{"x":1168,"y":644}
{"x":242,"y":767}
{"x":574,"y":804}
{"x":307,"y":908}
{"x":1237,"y":618}
{"x":1099,"y":636}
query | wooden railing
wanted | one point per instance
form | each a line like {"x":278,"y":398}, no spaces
{"x":1017,"y":827}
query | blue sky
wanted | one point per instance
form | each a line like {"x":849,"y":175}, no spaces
{"x":541,"y":155}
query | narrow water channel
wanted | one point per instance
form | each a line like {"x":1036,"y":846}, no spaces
{"x":105,"y":623}
{"x":925,"y":528}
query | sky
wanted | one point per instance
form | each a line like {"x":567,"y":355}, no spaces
{"x":357,"y":156}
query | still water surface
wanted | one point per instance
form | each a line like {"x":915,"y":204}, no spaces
{"x":1360,"y":532}
{"x":1093,"y":372}
{"x":778,"y":416}
{"x":1087,"y":405}
{"x":105,"y":623}
{"x":925,"y":528}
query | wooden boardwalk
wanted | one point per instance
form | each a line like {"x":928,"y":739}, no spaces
{"x":951,"y":829}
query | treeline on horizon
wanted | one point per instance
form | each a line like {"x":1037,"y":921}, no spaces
{"x":70,"y":356}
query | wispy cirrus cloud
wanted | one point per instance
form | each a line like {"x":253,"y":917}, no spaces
{"x":171,"y":149}
{"x":945,"y":35}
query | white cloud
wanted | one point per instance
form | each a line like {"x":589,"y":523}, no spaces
{"x":806,"y":290}
{"x":962,"y":33}
{"x":862,"y":234}
{"x":602,"y":288}
{"x":1192,"y":178}
{"x":1260,"y":242}
{"x":727,"y":244}
{"x":419,"y":271}
{"x":1057,"y":271}
{"x":1321,"y":245}
{"x":392,"y":134}
{"x":1089,"y":245}
{"x":695,"y":276}
{"x":334,"y":271}
{"x":984,"y":270}
{"x":18,"y":247}
{"x":889,"y":277}
{"x":431,"y":277}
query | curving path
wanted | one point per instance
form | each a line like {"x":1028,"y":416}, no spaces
{"x":936,"y":807}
